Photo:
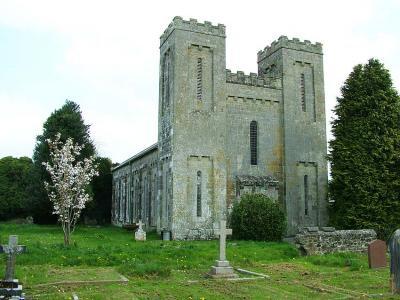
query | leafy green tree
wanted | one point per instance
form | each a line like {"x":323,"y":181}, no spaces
{"x":99,"y":208}
{"x":69,"y":122}
{"x":365,"y":152}
{"x":14,"y":179}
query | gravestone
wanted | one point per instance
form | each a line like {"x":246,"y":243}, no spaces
{"x":394,"y":249}
{"x":140,"y":234}
{"x":222,"y":269}
{"x":9,"y":287}
{"x":377,"y":254}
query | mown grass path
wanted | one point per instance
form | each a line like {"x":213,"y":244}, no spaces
{"x":175,"y":270}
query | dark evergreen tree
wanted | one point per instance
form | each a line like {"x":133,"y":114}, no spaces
{"x":69,"y":122}
{"x":99,"y":208}
{"x":14,"y":180}
{"x":365,"y":152}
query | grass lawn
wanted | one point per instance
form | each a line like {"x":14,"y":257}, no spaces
{"x":175,"y":270}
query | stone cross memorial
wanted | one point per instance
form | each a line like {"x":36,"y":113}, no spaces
{"x":394,"y":248}
{"x":222,"y":269}
{"x":377,"y":254}
{"x":140,"y":224}
{"x":140,"y":234}
{"x":9,"y":286}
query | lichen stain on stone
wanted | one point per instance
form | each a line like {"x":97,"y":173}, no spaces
{"x":275,"y":166}
{"x":230,"y":192}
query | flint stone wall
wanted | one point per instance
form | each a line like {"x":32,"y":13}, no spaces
{"x":322,"y":242}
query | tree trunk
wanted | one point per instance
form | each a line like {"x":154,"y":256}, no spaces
{"x":67,"y":234}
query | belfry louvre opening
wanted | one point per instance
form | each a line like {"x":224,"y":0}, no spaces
{"x":253,"y":143}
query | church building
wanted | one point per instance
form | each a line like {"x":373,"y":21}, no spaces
{"x":224,"y":134}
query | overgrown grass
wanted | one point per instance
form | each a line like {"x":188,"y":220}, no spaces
{"x":354,"y":261}
{"x":145,"y":269}
{"x":114,"y":247}
{"x":161,"y":270}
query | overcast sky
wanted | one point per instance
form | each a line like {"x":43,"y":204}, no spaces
{"x":104,"y":55}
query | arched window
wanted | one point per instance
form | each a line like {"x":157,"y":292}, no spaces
{"x":132,"y":201}
{"x":253,"y":143}
{"x":306,"y":195}
{"x":125,"y":199}
{"x":198,"y":184}
{"x":139,"y":198}
{"x":165,"y":83}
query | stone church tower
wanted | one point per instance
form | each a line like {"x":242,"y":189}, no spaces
{"x":223,"y":134}
{"x":304,"y":166}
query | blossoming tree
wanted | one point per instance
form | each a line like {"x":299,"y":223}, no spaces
{"x":70,"y":178}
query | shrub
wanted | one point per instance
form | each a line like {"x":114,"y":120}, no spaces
{"x":257,"y":217}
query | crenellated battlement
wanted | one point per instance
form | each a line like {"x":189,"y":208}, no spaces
{"x":214,"y":124}
{"x":295,"y":43}
{"x":252,"y":79}
{"x":193,"y":25}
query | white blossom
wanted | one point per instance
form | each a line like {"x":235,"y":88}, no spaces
{"x":70,"y":178}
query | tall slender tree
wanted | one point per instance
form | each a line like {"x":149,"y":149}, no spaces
{"x":365,"y":152}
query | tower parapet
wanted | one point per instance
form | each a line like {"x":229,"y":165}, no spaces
{"x":253,"y":79}
{"x":193,"y":25}
{"x":284,"y":42}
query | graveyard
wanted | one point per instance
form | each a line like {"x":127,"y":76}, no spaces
{"x":212,"y":150}
{"x":108,"y":263}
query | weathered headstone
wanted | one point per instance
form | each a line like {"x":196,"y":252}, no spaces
{"x":377,"y":254}
{"x":140,"y":234}
{"x":9,"y":287}
{"x":222,"y":269}
{"x":29,"y":220}
{"x":394,"y":248}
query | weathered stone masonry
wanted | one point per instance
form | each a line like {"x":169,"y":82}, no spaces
{"x":329,"y":240}
{"x":135,"y":189}
{"x":223,"y":134}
